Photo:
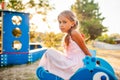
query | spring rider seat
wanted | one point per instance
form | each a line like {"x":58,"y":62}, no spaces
{"x":94,"y":69}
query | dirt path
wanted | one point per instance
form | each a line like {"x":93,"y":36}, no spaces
{"x":19,"y":72}
{"x":113,"y":57}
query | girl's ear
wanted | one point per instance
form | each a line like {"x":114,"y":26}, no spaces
{"x":73,"y":23}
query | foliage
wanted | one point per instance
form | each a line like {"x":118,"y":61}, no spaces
{"x":51,"y":39}
{"x":89,"y":18}
{"x":48,"y":39}
{"x":1,"y":0}
{"x":109,"y":38}
{"x":17,"y":5}
{"x":33,"y":36}
{"x":40,"y":7}
{"x":115,"y":36}
{"x":16,"y":32}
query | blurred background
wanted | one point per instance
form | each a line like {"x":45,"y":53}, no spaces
{"x":99,"y":19}
{"x":99,"y":23}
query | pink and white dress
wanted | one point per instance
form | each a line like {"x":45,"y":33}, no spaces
{"x":64,"y":64}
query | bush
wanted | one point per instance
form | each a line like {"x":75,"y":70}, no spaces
{"x":107,"y":39}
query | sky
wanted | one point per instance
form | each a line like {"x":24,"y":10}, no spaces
{"x":59,"y":5}
{"x":110,"y":9}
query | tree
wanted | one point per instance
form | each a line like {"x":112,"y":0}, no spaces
{"x":89,"y":18}
{"x":15,"y":5}
{"x":106,"y":38}
{"x":115,"y":36}
{"x":41,"y":7}
{"x":52,"y":40}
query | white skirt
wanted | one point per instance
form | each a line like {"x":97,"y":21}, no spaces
{"x":57,"y":63}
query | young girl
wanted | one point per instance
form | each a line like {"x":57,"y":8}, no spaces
{"x":66,"y":64}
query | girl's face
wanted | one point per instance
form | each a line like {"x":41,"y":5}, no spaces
{"x":64,"y":24}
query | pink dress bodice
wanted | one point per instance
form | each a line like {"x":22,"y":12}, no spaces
{"x":73,"y":49}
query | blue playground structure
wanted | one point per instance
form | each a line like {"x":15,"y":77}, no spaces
{"x":15,"y":49}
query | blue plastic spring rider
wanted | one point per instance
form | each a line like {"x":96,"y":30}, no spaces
{"x":94,"y":69}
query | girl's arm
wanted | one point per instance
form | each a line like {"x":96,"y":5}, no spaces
{"x":76,"y":36}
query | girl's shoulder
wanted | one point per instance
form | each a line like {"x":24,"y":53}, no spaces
{"x":74,"y":33}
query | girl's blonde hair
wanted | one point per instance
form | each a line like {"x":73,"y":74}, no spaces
{"x":71,"y":16}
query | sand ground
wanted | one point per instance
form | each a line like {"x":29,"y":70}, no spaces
{"x":27,"y":71}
